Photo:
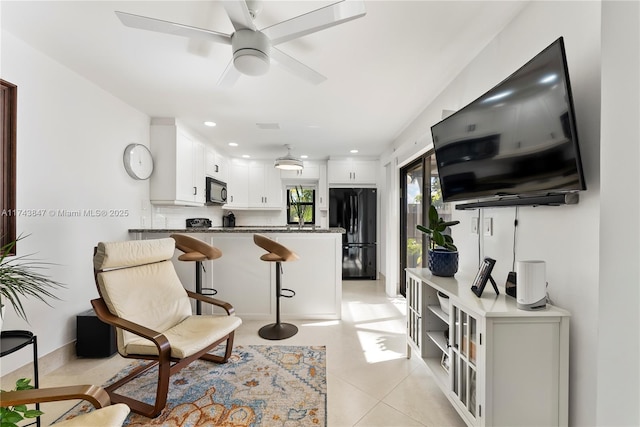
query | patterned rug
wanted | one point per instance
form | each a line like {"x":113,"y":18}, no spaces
{"x":259,"y":386}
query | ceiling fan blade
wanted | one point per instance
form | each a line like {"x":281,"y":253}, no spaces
{"x":239,"y":15}
{"x":319,"y":19}
{"x":296,"y":67}
{"x":229,"y":77}
{"x":160,"y":26}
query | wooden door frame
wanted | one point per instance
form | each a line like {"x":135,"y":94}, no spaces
{"x":9,"y":101}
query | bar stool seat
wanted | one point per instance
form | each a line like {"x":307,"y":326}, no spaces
{"x":195,"y":250}
{"x":277,"y":253}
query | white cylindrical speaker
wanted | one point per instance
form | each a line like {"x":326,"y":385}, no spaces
{"x":532,"y":285}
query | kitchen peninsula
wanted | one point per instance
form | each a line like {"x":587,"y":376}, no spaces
{"x":248,"y":283}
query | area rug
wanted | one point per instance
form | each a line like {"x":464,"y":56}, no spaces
{"x":258,"y":386}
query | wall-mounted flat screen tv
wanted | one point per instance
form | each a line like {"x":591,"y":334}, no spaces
{"x":518,"y":139}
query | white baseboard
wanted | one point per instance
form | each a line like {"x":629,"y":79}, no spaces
{"x":46,"y":364}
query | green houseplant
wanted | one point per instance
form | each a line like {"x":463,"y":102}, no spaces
{"x":298,"y":195}
{"x":10,"y":416}
{"x":443,"y":254}
{"x":21,"y":277}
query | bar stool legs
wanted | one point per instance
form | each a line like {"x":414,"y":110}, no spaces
{"x":279,"y":330}
{"x":197,"y":251}
{"x":199,"y":289}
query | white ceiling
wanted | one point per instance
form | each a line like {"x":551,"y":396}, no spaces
{"x":382,"y":70}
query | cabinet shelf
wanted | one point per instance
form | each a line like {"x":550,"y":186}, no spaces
{"x":439,"y":312}
{"x":439,"y":339}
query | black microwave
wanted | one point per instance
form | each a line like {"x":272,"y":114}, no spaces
{"x":216,"y":192}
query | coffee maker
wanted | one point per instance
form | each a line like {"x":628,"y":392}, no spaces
{"x":229,"y":220}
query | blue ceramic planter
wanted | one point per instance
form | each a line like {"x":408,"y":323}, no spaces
{"x":442,"y":262}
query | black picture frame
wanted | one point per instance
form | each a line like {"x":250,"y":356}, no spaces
{"x":484,"y":274}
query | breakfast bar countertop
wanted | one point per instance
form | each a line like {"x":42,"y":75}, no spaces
{"x":241,"y":229}
{"x":315,"y":277}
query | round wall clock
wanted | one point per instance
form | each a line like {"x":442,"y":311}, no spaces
{"x":138,"y":161}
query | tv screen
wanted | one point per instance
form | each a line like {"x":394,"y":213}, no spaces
{"x":519,"y":138}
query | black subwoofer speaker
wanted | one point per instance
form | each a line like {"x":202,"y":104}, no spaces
{"x":94,"y":338}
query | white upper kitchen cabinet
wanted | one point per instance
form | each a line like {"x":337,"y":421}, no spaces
{"x":352,"y":172}
{"x":237,"y":186}
{"x":215,"y":165}
{"x":179,"y":159}
{"x":254,"y":185}
{"x":308,"y":173}
{"x":265,"y":186}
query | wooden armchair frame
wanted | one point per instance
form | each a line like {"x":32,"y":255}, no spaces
{"x":93,"y":394}
{"x":96,"y":395}
{"x":167,"y":365}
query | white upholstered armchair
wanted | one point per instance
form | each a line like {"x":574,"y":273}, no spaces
{"x":142,"y":296}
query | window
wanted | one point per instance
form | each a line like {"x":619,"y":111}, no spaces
{"x":301,"y":202}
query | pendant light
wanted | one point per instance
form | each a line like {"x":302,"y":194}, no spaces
{"x":288,"y":162}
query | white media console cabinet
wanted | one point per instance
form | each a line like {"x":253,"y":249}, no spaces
{"x":497,"y":364}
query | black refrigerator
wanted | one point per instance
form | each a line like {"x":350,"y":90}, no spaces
{"x":354,"y":209}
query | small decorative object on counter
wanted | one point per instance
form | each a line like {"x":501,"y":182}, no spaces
{"x":297,"y":202}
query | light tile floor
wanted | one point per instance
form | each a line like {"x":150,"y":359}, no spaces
{"x":370,"y":382}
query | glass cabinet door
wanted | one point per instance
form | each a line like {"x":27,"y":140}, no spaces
{"x":463,"y":353}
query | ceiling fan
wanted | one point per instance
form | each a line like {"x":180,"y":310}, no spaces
{"x":254,"y":49}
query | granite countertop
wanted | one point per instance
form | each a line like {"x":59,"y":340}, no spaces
{"x":241,"y":229}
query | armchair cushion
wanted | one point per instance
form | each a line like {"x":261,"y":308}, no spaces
{"x":189,"y":336}
{"x":124,"y":254}
{"x":110,"y":416}
{"x":150,"y":295}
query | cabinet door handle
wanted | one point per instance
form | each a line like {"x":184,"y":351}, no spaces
{"x":231,"y":199}
{"x":195,"y":191}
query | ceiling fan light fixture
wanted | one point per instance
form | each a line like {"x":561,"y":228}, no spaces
{"x":250,"y":52}
{"x":288,"y":162}
{"x":251,"y":62}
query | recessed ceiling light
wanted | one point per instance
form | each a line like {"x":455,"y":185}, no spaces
{"x":233,"y":144}
{"x":210,"y":124}
{"x":245,"y":156}
{"x":353,"y":151}
{"x":304,"y":156}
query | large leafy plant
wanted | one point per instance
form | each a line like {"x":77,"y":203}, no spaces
{"x":10,"y":416}
{"x":21,"y":276}
{"x":436,"y":229}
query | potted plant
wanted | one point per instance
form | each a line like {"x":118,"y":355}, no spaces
{"x":299,"y":208}
{"x":20,"y":277}
{"x":443,"y":254}
{"x":10,"y":416}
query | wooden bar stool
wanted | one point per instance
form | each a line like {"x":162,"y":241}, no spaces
{"x":198,"y":251}
{"x":278,"y":254}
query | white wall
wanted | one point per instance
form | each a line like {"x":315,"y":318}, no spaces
{"x":70,"y":139}
{"x":565,"y":237}
{"x":618,"y":351}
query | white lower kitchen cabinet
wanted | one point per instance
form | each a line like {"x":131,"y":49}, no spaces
{"x":497,"y":365}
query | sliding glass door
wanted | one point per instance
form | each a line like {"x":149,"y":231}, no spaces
{"x":420,"y":187}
